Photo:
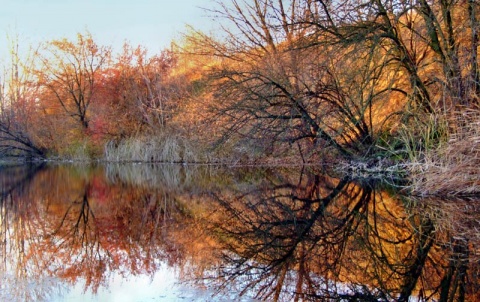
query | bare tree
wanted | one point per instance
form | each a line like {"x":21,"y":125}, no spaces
{"x":284,"y":79}
{"x":267,"y":88}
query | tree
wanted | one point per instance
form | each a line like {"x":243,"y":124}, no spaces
{"x":282,"y":82}
{"x":147,"y":83}
{"x":18,"y":108}
{"x":269,"y":89}
{"x":431,"y":41}
{"x":138,"y":93}
{"x":68,"y":70}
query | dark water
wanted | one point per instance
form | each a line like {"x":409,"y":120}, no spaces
{"x":194,"y":233}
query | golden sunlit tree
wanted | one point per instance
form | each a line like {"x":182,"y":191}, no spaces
{"x":434,"y":43}
{"x":68,"y":71}
{"x":280,"y":86}
{"x":263,"y":87}
{"x":314,"y":74}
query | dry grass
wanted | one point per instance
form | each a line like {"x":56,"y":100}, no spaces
{"x":171,"y":148}
{"x":166,"y":149}
{"x":452,"y":168}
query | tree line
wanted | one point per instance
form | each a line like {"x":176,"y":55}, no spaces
{"x":77,"y":92}
{"x":290,"y":79}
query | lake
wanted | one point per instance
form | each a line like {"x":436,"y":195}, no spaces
{"x":146,"y":232}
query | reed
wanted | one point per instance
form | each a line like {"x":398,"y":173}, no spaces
{"x":160,"y":148}
{"x":452,"y":167}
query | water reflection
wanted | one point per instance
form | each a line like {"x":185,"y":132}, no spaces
{"x":276,"y":234}
{"x":306,"y":236}
{"x":65,"y":225}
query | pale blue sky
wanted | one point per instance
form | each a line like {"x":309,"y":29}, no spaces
{"x":151,"y":23}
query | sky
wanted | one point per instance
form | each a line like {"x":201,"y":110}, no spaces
{"x":150,"y":23}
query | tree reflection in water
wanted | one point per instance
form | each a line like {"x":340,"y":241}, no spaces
{"x":70,"y":224}
{"x":311,"y":237}
{"x":18,"y":223}
{"x":277,"y":234}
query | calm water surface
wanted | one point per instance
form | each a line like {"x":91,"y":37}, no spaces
{"x":194,"y":233}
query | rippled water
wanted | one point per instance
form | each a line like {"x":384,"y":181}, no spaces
{"x":199,"y":233}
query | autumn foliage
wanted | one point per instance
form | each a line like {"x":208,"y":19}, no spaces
{"x":284,"y":82}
